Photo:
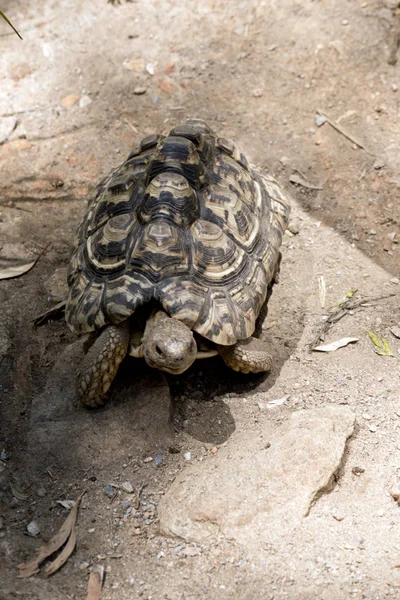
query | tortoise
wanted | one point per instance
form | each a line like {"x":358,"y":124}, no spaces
{"x":175,"y":259}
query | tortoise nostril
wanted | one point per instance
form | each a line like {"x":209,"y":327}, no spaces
{"x":158,"y":350}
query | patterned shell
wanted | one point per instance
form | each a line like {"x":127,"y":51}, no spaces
{"x":184,"y":221}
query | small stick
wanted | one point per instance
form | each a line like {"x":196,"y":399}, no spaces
{"x":342,"y":131}
{"x":130,"y":125}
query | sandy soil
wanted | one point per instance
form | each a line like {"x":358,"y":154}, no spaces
{"x":86,"y":84}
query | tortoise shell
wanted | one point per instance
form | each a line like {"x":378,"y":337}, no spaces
{"x":184,"y":221}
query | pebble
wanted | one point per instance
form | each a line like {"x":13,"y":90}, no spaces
{"x":214,"y":450}
{"x":366,"y":416}
{"x":70,"y":100}
{"x":41,"y":492}
{"x":319,"y":120}
{"x":92,"y":530}
{"x":150,"y":68}
{"x":158,"y":460}
{"x":127,"y":487}
{"x":396,"y":331}
{"x":357,"y":470}
{"x":394,"y":87}
{"x":85,"y":101}
{"x":139,"y":90}
{"x":187,"y":456}
{"x":345,"y":22}
{"x":381,"y":512}
{"x":257,"y":93}
{"x":379,"y":164}
{"x":84,"y":565}
{"x":33,"y":529}
{"x":373,"y":428}
{"x":149,"y":459}
{"x":109,"y":490}
{"x":4,"y":453}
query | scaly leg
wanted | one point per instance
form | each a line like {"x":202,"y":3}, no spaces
{"x":247,"y":356}
{"x":101,"y":363}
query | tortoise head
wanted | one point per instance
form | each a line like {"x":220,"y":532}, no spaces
{"x":168,"y":344}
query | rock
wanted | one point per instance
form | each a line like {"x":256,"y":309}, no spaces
{"x":395,"y":331}
{"x":7,"y":126}
{"x":254,"y":493}
{"x":70,"y":100}
{"x":85,"y":101}
{"x":392,"y":4}
{"x":56,"y":285}
{"x":33,"y":528}
{"x":136,"y":65}
{"x":319,"y":120}
{"x":5,"y":342}
{"x":138,"y":91}
{"x":127,"y":487}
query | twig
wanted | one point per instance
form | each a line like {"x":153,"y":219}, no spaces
{"x":16,"y":207}
{"x":340,"y":130}
{"x":130,"y":125}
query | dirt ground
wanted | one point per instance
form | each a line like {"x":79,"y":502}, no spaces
{"x":88,"y":81}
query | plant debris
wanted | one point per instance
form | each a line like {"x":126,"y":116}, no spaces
{"x":322,"y":290}
{"x":336,"y":345}
{"x":342,"y":307}
{"x":10,"y":24}
{"x":340,"y":130}
{"x":11,"y":272}
{"x":66,"y":535}
{"x":381,"y":346}
{"x":54,"y":311}
{"x":300,"y":180}
{"x":95,"y":584}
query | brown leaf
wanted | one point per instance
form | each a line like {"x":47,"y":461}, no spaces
{"x":67,"y":530}
{"x":64,"y":555}
{"x":95,"y":583}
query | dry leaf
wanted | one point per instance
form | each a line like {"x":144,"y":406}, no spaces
{"x":95,"y":584}
{"x":11,"y":272}
{"x":64,"y":555}
{"x":278,"y":401}
{"x":381,"y":346}
{"x":335,"y":345}
{"x":17,"y":493}
{"x":67,"y":530}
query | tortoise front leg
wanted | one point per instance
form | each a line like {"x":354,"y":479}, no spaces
{"x":101,"y":363}
{"x":247,"y":356}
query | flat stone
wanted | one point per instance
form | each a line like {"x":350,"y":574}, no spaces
{"x":254,"y":493}
{"x":7,"y":126}
{"x":5,"y":342}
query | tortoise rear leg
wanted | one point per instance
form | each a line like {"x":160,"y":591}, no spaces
{"x":101,"y":363}
{"x":247,"y":356}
